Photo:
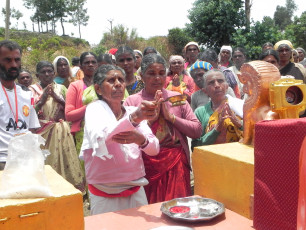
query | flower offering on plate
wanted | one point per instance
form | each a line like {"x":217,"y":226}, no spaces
{"x":192,"y":209}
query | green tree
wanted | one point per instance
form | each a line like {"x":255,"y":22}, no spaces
{"x":283,"y":14}
{"x":160,"y":43}
{"x":46,"y":11}
{"x":120,"y":35}
{"x":177,"y":39}
{"x":296,"y":32}
{"x":78,"y":14}
{"x":259,"y":33}
{"x":43,"y":13}
{"x":14,"y":14}
{"x":213,"y":21}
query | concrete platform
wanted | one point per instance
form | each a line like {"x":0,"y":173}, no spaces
{"x":225,"y":172}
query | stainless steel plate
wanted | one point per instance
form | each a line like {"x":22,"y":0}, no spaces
{"x":201,"y":209}
{"x":172,"y":228}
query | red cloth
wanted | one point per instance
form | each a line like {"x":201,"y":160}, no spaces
{"x":301,"y":213}
{"x":124,"y":193}
{"x":113,"y":51}
{"x":168,"y":175}
{"x":277,"y":145}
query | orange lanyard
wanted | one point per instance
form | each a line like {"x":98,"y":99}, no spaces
{"x":16,"y":103}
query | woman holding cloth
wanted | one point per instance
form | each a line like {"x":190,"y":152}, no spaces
{"x":114,"y":138}
{"x":169,"y":172}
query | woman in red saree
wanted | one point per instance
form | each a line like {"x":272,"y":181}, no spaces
{"x":168,"y":172}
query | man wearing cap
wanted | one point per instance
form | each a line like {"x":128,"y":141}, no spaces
{"x":302,"y":54}
{"x":287,"y":67}
{"x":191,"y":51}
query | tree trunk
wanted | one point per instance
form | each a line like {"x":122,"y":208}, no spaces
{"x":38,"y":25}
{"x":62,"y":24}
{"x":248,"y":5}
{"x":7,"y":19}
{"x":80,"y":31}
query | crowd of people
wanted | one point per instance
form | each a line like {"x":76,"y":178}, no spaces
{"x":110,"y":125}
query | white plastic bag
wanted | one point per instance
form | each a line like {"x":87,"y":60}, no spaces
{"x":24,"y":173}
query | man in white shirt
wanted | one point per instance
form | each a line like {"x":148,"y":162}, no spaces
{"x":17,"y":114}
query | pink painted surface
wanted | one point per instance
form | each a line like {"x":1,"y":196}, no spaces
{"x":150,"y":216}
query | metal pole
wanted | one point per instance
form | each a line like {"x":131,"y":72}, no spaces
{"x":7,"y":20}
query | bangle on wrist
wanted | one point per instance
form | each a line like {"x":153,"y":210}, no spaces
{"x":133,"y":122}
{"x":145,"y":143}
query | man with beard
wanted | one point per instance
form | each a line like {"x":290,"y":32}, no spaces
{"x":17,"y":114}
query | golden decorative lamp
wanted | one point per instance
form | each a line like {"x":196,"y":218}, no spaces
{"x":287,"y":97}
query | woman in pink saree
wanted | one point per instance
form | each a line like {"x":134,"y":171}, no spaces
{"x":169,"y":172}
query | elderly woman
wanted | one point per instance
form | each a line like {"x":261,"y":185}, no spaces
{"x":49,"y":101}
{"x":75,"y":110}
{"x":63,"y":74}
{"x":191,"y":52}
{"x":239,"y":58}
{"x":138,"y":56}
{"x":302,"y":54}
{"x":221,"y":118}
{"x":287,"y":66}
{"x":197,"y":71}
{"x":114,"y":138}
{"x":169,"y":172}
{"x":126,"y":59}
{"x":177,"y":78}
{"x":225,"y":56}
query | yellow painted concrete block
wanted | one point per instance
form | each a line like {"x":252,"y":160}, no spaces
{"x":63,"y":211}
{"x":225,"y":172}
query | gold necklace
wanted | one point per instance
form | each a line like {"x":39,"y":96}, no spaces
{"x":120,"y":116}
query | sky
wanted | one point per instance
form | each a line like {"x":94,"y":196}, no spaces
{"x":149,"y":18}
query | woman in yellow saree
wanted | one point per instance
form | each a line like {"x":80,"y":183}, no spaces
{"x":221,"y":118}
{"x":49,"y":101}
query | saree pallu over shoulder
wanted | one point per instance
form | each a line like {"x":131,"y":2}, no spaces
{"x":63,"y":158}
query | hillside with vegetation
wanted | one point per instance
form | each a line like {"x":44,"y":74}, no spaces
{"x":45,"y":46}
